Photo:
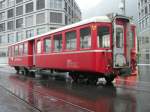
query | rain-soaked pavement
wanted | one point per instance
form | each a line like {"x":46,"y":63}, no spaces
{"x":49,"y":95}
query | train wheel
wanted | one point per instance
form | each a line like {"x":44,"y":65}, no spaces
{"x":25,"y":71}
{"x":74,"y":76}
{"x":92,"y":80}
{"x":17,"y":70}
{"x":109,"y":79}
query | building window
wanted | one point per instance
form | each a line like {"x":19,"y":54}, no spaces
{"x":29,"y":7}
{"x":85,"y":38}
{"x":53,"y":28}
{"x":3,"y":52}
{"x":18,"y":1}
{"x":40,"y":18}
{"x":11,"y":3}
{"x":40,"y":4}
{"x":3,"y":39}
{"x":47,"y":45}
{"x":2,"y":27}
{"x":56,"y":17}
{"x":19,"y":23}
{"x":71,"y":41}
{"x":40,"y":31}
{"x":10,"y":38}
{"x":19,"y":36}
{"x":146,"y":40}
{"x":29,"y":21}
{"x":29,"y":33}
{"x":2,"y":4}
{"x":39,"y":46}
{"x":56,"y":4}
{"x":2,"y":16}
{"x":10,"y":13}
{"x":10,"y":25}
{"x":147,"y":54}
{"x":103,"y":37}
{"x":19,"y":10}
{"x":57,"y":43}
{"x":146,"y":11}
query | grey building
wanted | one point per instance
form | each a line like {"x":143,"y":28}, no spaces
{"x":144,"y":30}
{"x":20,"y":19}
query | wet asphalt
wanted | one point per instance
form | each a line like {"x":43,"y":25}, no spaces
{"x":58,"y":95}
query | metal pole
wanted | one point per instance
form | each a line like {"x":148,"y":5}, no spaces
{"x":124,"y":7}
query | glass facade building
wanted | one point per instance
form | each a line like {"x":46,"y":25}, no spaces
{"x":21,"y":19}
{"x":144,"y":31}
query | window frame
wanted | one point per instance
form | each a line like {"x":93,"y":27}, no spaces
{"x":70,"y":31}
{"x":53,"y":42}
{"x":21,"y":50}
{"x":13,"y":51}
{"x":16,"y":51}
{"x":19,"y":23}
{"x":38,"y":7}
{"x":10,"y":51}
{"x":50,"y":46}
{"x":120,"y":42}
{"x":26,"y":6}
{"x":109,"y":25}
{"x":19,"y":12}
{"x":38,"y":48}
{"x":9,"y":11}
{"x":88,"y":26}
{"x":25,"y":48}
{"x":109,"y":29}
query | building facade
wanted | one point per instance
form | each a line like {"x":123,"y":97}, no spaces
{"x":20,"y":19}
{"x":144,"y":31}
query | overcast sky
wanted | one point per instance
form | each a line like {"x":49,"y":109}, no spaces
{"x":92,"y":8}
{"x":86,"y":4}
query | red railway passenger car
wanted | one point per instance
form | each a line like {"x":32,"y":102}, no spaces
{"x":98,"y":47}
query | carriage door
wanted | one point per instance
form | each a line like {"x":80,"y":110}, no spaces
{"x":118,"y":49}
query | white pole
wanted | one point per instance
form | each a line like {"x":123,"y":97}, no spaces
{"x":124,"y":7}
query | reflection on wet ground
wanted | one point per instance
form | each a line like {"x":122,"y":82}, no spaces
{"x":144,"y":73}
{"x":50,"y":95}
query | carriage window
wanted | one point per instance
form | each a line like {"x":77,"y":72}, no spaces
{"x":47,"y":45}
{"x":9,"y":51}
{"x":103,"y":37}
{"x":39,"y":46}
{"x":119,"y":37}
{"x":21,"y":49}
{"x":57,"y":43}
{"x":85,"y":38}
{"x":16,"y":50}
{"x":71,"y":40}
{"x":26,"y":48}
{"x":12,"y":51}
{"x":131,"y":38}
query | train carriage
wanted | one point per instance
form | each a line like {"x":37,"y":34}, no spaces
{"x":98,"y":47}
